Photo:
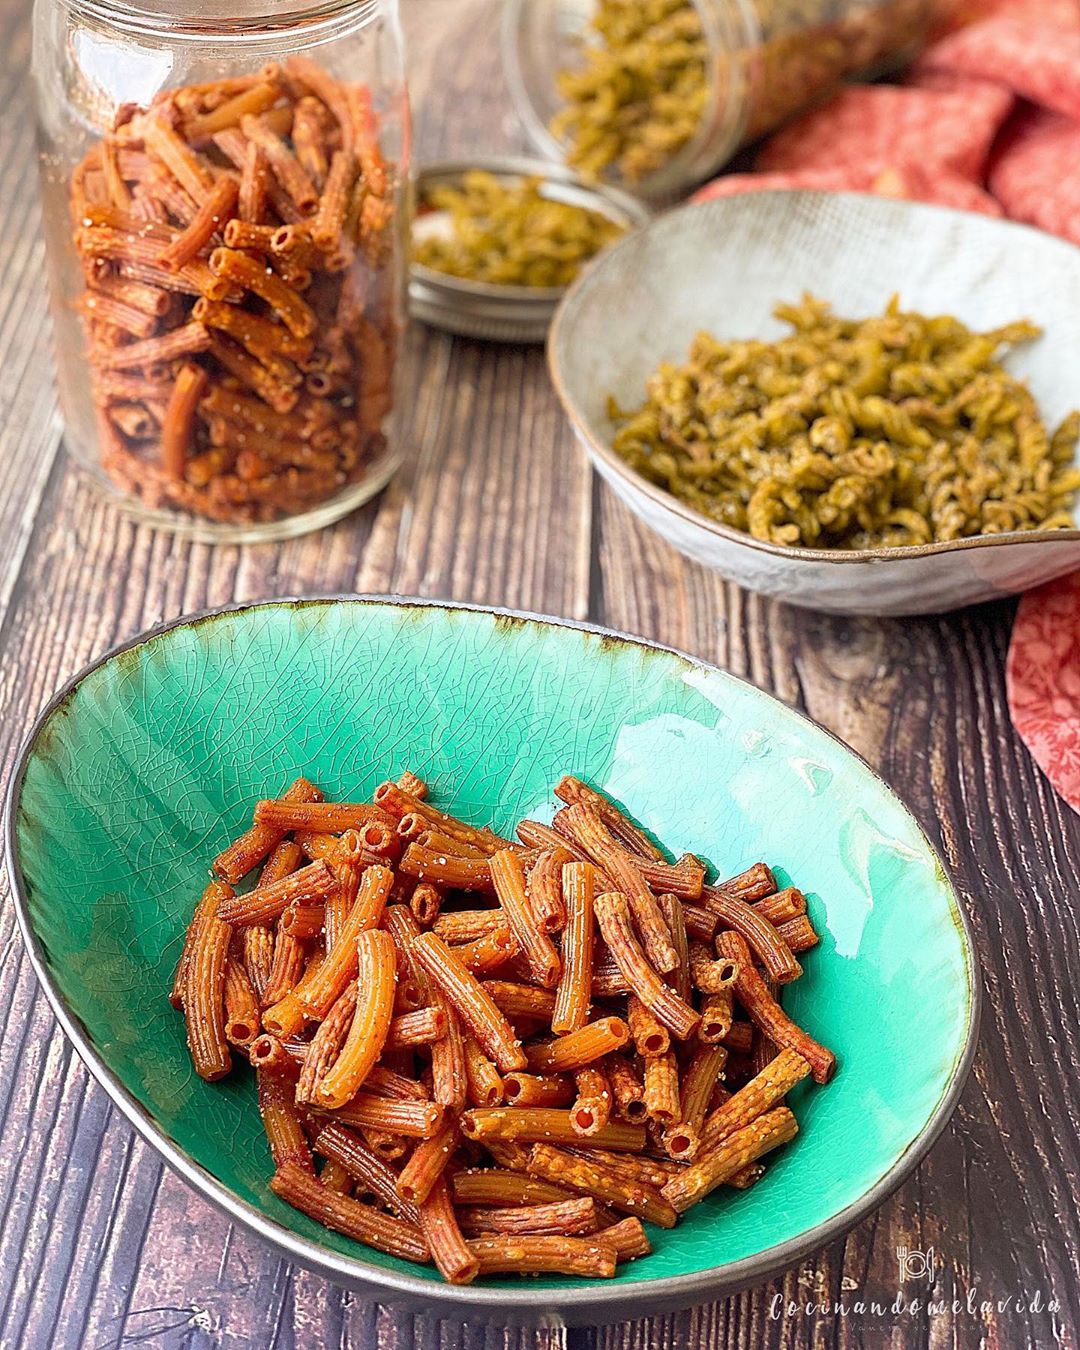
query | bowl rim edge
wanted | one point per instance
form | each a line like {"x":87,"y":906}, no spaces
{"x":354,"y":1271}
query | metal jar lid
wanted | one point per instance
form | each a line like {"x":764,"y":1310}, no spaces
{"x":481,"y":309}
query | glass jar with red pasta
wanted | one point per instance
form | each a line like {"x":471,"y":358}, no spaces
{"x":224,"y":194}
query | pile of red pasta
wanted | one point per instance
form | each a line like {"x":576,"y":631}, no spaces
{"x":498,"y":1055}
{"x":240,"y":293}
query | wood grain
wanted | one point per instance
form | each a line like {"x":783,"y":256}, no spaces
{"x":99,"y":1247}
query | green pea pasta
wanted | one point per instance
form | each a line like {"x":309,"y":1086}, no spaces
{"x":511,"y":234}
{"x":640,"y":92}
{"x":853,"y":434}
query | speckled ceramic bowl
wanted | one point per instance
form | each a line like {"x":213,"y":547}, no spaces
{"x":721,"y":265}
{"x":148,"y":762}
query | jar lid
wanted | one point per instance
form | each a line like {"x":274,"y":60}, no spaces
{"x":482,"y":309}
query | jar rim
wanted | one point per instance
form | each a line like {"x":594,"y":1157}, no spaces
{"x":224,"y":20}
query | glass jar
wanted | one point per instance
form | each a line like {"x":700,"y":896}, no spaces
{"x":224,"y":187}
{"x":680,"y":85}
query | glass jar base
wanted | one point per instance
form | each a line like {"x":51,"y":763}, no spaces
{"x":199,"y":531}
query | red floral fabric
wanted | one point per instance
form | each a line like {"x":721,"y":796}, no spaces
{"x":1038,"y":60}
{"x":948,"y":129}
{"x":1030,"y":173}
{"x":1043,"y":681}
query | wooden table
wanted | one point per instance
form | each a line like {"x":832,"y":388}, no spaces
{"x":100,"y":1247}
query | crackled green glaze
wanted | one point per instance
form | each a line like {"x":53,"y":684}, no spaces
{"x":153,"y":763}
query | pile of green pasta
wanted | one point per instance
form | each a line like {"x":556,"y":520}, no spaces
{"x":511,"y":234}
{"x":640,"y":92}
{"x":883,"y":432}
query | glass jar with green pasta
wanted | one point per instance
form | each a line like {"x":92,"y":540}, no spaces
{"x":897,"y":430}
{"x":658,"y":94}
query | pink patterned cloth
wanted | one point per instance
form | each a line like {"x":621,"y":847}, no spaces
{"x":1040,"y":61}
{"x":949,"y":129}
{"x":987,"y":120}
{"x":1029,"y":172}
{"x":1043,"y":681}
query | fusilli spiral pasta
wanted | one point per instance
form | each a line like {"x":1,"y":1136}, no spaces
{"x":882,"y":432}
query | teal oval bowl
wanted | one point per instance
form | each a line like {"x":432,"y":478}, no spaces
{"x":149,"y":761}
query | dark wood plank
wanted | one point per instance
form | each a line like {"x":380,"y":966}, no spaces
{"x":100,"y":1247}
{"x":31,"y":432}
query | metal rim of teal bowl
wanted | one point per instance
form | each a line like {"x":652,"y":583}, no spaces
{"x":605,"y":1303}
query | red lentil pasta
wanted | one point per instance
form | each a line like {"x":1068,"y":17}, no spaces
{"x":497,"y":1057}
{"x":239,"y":306}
